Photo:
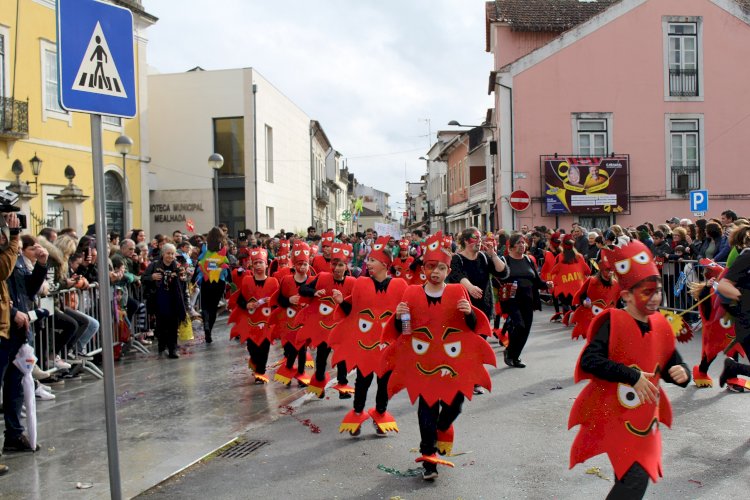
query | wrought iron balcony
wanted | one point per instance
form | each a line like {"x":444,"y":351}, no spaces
{"x":14,"y":119}
{"x":683,"y":82}
{"x":685,"y":179}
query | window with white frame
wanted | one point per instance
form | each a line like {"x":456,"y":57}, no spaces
{"x":591,"y":137}
{"x":269,"y":218}
{"x":682,"y":53}
{"x":685,"y":155}
{"x":113,"y":121}
{"x":2,"y":67}
{"x":51,"y":84}
{"x":269,"y":154}
{"x":53,"y":209}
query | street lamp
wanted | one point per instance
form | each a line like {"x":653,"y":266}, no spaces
{"x":216,"y":161}
{"x":123,"y":145}
{"x":36,"y":169}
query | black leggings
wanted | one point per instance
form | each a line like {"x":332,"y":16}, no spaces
{"x":566,"y":302}
{"x":520,"y":316}
{"x":291,"y":354}
{"x":438,"y":417}
{"x":321,"y":361}
{"x":259,"y":355}
{"x":211,"y":294}
{"x":631,"y":486}
{"x":362,"y":385}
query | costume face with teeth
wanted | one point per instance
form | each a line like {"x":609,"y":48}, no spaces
{"x":357,"y":338}
{"x":441,"y":357}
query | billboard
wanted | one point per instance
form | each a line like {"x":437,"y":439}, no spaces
{"x":585,"y":185}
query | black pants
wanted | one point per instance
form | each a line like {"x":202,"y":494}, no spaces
{"x":631,"y":486}
{"x":520,"y":315}
{"x":166,"y":332}
{"x":211,"y":294}
{"x":259,"y":355}
{"x":66,"y":331}
{"x":11,"y":378}
{"x":566,"y":302}
{"x":291,"y":354}
{"x":362,"y":385}
{"x":438,"y":417}
{"x":321,"y":361}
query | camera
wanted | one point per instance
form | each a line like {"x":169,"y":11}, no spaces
{"x":7,"y":200}
{"x":167,"y":276}
{"x":22,"y":221}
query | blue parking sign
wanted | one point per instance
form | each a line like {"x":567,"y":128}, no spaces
{"x":699,"y":200}
{"x":95,"y":58}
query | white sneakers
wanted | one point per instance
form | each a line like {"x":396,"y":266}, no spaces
{"x":43,"y":395}
{"x":39,"y":374}
{"x":60,"y":364}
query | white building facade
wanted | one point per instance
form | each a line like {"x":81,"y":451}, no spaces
{"x":264,"y":138}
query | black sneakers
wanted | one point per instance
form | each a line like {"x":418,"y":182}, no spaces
{"x":345,"y":395}
{"x":430,"y":472}
{"x":21,"y":443}
{"x":730,"y":371}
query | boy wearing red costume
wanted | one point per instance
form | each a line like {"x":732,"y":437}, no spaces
{"x":550,"y":257}
{"x":402,"y":263}
{"x":322,"y":263}
{"x":291,"y":303}
{"x":322,"y":315}
{"x":357,"y":338}
{"x":598,"y":292}
{"x":568,"y":274}
{"x":281,"y":261}
{"x":255,"y":301}
{"x":628,"y":351}
{"x":441,"y":357}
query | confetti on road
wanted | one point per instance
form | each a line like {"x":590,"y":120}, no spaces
{"x":700,"y":484}
{"x":395,"y":472}
{"x":596,"y":471}
{"x":290,"y":410}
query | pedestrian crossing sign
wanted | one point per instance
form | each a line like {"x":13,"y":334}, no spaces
{"x":96,"y":65}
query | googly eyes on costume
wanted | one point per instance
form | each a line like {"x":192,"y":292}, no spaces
{"x":364,"y":325}
{"x":420,"y":347}
{"x":627,"y":396}
{"x":290,"y":312}
{"x":325,"y":309}
{"x":622,"y":266}
{"x":453,"y":349}
{"x":377,"y":246}
{"x":641,"y":258}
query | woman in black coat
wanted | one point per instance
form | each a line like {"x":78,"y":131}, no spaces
{"x":167,"y":281}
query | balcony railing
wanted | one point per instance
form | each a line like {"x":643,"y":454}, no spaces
{"x":322,"y":193}
{"x":683,"y":82}
{"x":478,"y":191}
{"x":14,"y":119}
{"x":685,"y":179}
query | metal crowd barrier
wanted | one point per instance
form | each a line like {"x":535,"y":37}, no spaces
{"x":86,"y":302}
{"x":676,"y":275}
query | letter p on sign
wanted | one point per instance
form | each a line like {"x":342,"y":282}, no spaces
{"x":699,"y":200}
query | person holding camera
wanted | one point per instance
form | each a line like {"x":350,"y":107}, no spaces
{"x":167,"y":280}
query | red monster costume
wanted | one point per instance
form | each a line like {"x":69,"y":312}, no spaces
{"x":568,"y":278}
{"x":400,"y":268}
{"x":549,"y":257}
{"x":600,"y":295}
{"x":718,"y":330}
{"x":441,"y":357}
{"x":418,"y":276}
{"x":612,"y":418}
{"x":357,"y":338}
{"x":319,"y":263}
{"x":281,"y":261}
{"x":283,"y":320}
{"x":253,"y":326}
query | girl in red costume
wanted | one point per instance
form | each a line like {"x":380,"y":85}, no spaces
{"x":322,"y":315}
{"x":628,"y":351}
{"x":357,"y":339}
{"x":402,"y":263}
{"x":255,"y":301}
{"x":441,"y":357}
{"x":281,"y":261}
{"x":291,"y":303}
{"x":598,"y":292}
{"x":568,"y":274}
{"x":550,"y":258}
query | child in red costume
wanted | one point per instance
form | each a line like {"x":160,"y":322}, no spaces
{"x":322,"y":315}
{"x":441,"y":358}
{"x":322,"y":263}
{"x":718,"y":327}
{"x":550,"y":258}
{"x":357,"y":339}
{"x":291,"y":303}
{"x":281,"y":261}
{"x":628,"y":351}
{"x":402,"y":263}
{"x":255,"y":302}
{"x":568,"y":274}
{"x":598,"y":292}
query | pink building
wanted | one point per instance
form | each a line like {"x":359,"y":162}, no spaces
{"x":651,"y":93}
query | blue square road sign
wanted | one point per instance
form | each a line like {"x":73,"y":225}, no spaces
{"x":699,"y":200}
{"x":95,"y":58}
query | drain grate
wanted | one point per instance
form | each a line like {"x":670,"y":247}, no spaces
{"x":242,"y":449}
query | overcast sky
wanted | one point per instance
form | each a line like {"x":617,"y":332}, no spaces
{"x":370,"y":71}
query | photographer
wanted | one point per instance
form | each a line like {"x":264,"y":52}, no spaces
{"x":167,"y":279}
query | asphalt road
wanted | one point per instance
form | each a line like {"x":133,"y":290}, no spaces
{"x":511,"y":443}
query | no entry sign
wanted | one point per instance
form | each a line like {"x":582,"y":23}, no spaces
{"x":519,"y":200}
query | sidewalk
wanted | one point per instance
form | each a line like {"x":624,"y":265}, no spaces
{"x":170,"y":413}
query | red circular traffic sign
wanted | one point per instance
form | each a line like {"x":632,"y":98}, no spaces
{"x":519,"y":200}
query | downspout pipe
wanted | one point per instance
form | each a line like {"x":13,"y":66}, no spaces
{"x":255,"y":154}
{"x":313,"y":131}
{"x":512,"y":152}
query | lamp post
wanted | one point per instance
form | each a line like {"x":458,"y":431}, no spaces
{"x":487,"y":174}
{"x":216,"y":161}
{"x":123,"y":145}
{"x":36,"y":169}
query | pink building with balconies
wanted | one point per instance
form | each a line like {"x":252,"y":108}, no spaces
{"x":642,"y":101}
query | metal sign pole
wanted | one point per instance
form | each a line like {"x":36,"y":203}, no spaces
{"x":105,"y":306}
